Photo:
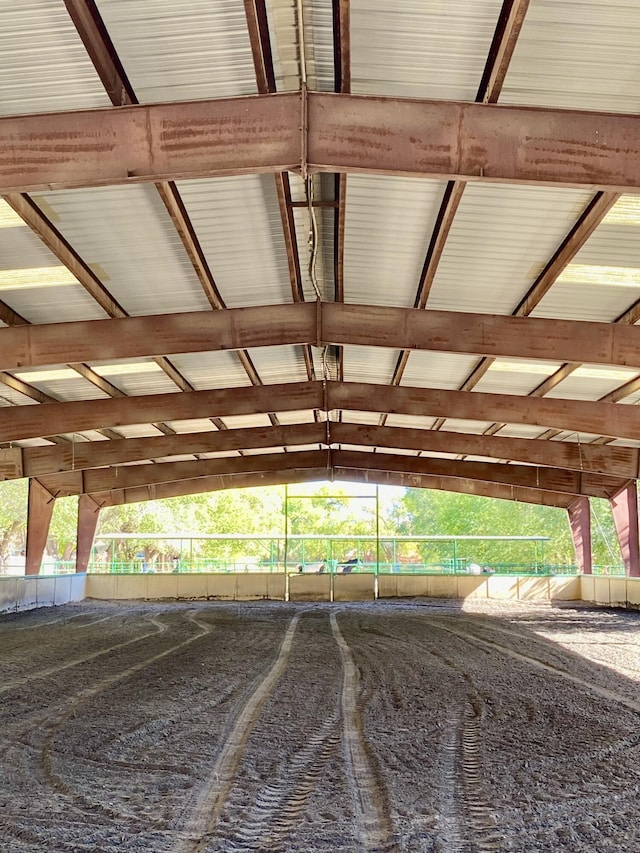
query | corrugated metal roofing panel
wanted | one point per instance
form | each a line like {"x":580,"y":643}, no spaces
{"x":501,"y":238}
{"x":603,"y":279}
{"x":437,"y":369}
{"x":421,"y":48}
{"x":210,"y":370}
{"x":247,"y":421}
{"x":520,"y":431}
{"x":9,"y":397}
{"x":369,"y":364}
{"x":196,"y":425}
{"x":154,"y":381}
{"x":591,"y":382}
{"x":389,"y":222}
{"x":304,"y":416}
{"x":138,"y":431}
{"x":370,"y":418}
{"x":515,"y":376}
{"x":44,"y":66}
{"x":176,"y":51}
{"x":238,"y":224}
{"x":320,"y":263}
{"x":279,"y":364}
{"x":285,"y":44}
{"x":36,"y":285}
{"x":126,"y":236}
{"x":468,"y":426}
{"x":74,"y":387}
{"x":578,"y":54}
{"x":410,"y":421}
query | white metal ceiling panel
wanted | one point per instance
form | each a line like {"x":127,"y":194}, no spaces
{"x":421,"y":48}
{"x":138,"y":431}
{"x":502,"y":237}
{"x":603,"y":279}
{"x":177,"y":51}
{"x":238,"y":224}
{"x":144,"y":382}
{"x":410,"y":421}
{"x":353,"y":417}
{"x":577,"y":54}
{"x":73,"y":387}
{"x":44,"y":66}
{"x":515,"y":376}
{"x":126,"y":236}
{"x":389,"y":222}
{"x":520,"y":431}
{"x":284,"y":30}
{"x":591,"y":382}
{"x":9,"y":397}
{"x":35,"y":284}
{"x":279,"y":364}
{"x":437,"y":369}
{"x":304,"y":416}
{"x":247,"y":421}
{"x":467,"y":426}
{"x":369,"y":364}
{"x":210,"y":370}
{"x":195,"y":425}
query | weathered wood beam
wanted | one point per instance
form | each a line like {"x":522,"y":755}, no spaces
{"x":132,"y":476}
{"x":320,"y":324}
{"x":454,"y":484}
{"x":614,"y":460}
{"x":580,"y":523}
{"x":346,"y":133}
{"x":22,"y":422}
{"x":547,"y":479}
{"x":40,"y":510}
{"x":39,"y":461}
{"x":573,"y":415}
{"x":88,"y":515}
{"x":77,"y":416}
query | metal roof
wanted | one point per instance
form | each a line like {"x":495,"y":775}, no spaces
{"x":292,"y":212}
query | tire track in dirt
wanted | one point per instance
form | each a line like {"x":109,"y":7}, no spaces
{"x":603,"y":692}
{"x":280,"y":804}
{"x":52,"y":670}
{"x":45,"y":755}
{"x":372,"y":812}
{"x":214,"y":793}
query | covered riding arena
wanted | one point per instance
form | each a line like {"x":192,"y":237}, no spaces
{"x":258,"y":242}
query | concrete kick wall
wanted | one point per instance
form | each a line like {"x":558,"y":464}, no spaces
{"x":226,"y":587}
{"x":479,"y":586}
{"x":610,"y":591}
{"x":328,"y":587}
{"x":26,"y":593}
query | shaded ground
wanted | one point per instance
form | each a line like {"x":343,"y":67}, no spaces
{"x":397,"y":726}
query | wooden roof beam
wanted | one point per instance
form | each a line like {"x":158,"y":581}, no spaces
{"x":319,"y":324}
{"x":440,"y":139}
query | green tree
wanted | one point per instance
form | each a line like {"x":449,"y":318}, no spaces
{"x":13,"y":519}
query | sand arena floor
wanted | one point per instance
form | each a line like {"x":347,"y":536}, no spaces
{"x":396,"y":726}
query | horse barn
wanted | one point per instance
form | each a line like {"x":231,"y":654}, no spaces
{"x":258,"y":242}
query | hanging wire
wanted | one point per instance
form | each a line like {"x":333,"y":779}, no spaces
{"x":313,"y":237}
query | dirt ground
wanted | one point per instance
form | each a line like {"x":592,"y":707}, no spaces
{"x":388,"y":726}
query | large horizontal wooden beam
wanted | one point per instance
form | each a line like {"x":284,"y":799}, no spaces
{"x":76,"y":416}
{"x":616,"y":461}
{"x":598,"y":418}
{"x":613,"y":460}
{"x":344,"y":133}
{"x":39,"y":461}
{"x":319,"y":324}
{"x":180,"y":488}
{"x":547,"y":479}
{"x":573,"y":415}
{"x":455,"y":484}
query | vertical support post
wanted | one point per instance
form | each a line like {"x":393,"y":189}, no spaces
{"x":624,"y":506}
{"x":88,"y":515}
{"x":41,"y":503}
{"x":580,"y":523}
{"x":286,"y":527}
